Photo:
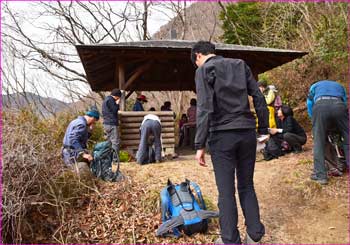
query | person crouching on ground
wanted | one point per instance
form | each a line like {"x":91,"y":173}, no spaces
{"x":74,"y":148}
{"x":289,"y":130}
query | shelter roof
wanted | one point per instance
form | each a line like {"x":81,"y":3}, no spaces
{"x":159,"y":65}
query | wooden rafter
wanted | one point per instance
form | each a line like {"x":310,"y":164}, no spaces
{"x":129,"y":94}
{"x":137,"y":74}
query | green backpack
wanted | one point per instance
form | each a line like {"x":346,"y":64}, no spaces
{"x":101,"y":166}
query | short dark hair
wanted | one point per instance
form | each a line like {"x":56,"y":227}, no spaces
{"x":152,"y":109}
{"x":262,"y":83}
{"x":116,"y":92}
{"x":193,"y":102}
{"x":203,"y":47}
{"x":286,"y":110}
{"x":167,"y":104}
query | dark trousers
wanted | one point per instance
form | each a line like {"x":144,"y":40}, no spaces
{"x":294,"y":140}
{"x":233,"y":153}
{"x":148,"y":128}
{"x":325,"y":115}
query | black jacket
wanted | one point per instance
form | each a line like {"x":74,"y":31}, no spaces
{"x":290,"y":125}
{"x":222,"y":87}
{"x":110,"y":111}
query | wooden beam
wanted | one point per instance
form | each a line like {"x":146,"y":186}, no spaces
{"x":129,"y":94}
{"x":137,"y":74}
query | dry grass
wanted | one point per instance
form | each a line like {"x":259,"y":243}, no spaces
{"x":37,"y":190}
{"x":43,"y":203}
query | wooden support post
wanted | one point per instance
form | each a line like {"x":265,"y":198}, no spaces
{"x":121,"y":79}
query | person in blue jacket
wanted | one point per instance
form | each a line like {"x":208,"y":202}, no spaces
{"x":76,"y":137}
{"x":138,"y":106}
{"x":327,"y":106}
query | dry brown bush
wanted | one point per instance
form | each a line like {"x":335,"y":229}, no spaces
{"x":36,"y":188}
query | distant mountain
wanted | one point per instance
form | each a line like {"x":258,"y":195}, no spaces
{"x":44,"y":107}
{"x":201,"y":23}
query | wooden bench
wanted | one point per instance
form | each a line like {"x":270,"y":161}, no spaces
{"x":129,"y":130}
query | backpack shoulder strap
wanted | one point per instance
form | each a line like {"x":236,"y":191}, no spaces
{"x":170,"y":225}
{"x":205,"y":214}
{"x":199,"y":194}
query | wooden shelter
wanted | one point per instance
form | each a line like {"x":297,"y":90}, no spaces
{"x":161,"y":65}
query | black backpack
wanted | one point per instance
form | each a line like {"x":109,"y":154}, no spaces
{"x":101,"y":166}
{"x":334,"y":154}
{"x":273,"y":148}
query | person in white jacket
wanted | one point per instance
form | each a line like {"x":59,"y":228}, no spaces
{"x":150,"y":132}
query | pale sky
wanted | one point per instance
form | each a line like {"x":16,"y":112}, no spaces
{"x":44,"y":83}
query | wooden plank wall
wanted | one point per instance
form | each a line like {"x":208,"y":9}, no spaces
{"x":129,"y":126}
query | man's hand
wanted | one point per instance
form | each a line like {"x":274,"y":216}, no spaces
{"x":88,"y":157}
{"x":200,"y":157}
{"x":117,"y":101}
{"x":273,"y":131}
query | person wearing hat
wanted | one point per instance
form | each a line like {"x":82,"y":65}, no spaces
{"x":269,"y":92}
{"x":140,"y":100}
{"x":110,"y":108}
{"x":74,"y":148}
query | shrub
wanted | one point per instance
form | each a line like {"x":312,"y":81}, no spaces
{"x":36,"y":187}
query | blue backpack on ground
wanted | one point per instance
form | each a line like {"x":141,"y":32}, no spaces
{"x":182,"y":212}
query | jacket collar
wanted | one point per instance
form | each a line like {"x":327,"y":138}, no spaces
{"x":214,"y":58}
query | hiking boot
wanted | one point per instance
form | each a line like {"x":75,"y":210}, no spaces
{"x":320,"y":181}
{"x":335,"y":172}
{"x":297,"y":149}
{"x":249,"y":240}
{"x":219,"y":241}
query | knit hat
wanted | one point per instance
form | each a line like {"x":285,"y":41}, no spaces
{"x":93,"y":113}
{"x":116,"y":92}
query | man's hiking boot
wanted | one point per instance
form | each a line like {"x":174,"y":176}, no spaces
{"x":335,"y":172}
{"x":318,"y":180}
{"x":249,"y":240}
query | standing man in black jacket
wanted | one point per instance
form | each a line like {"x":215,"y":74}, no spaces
{"x":222,"y":87}
{"x":110,"y":108}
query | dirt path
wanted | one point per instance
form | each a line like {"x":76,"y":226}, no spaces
{"x":293,"y":208}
